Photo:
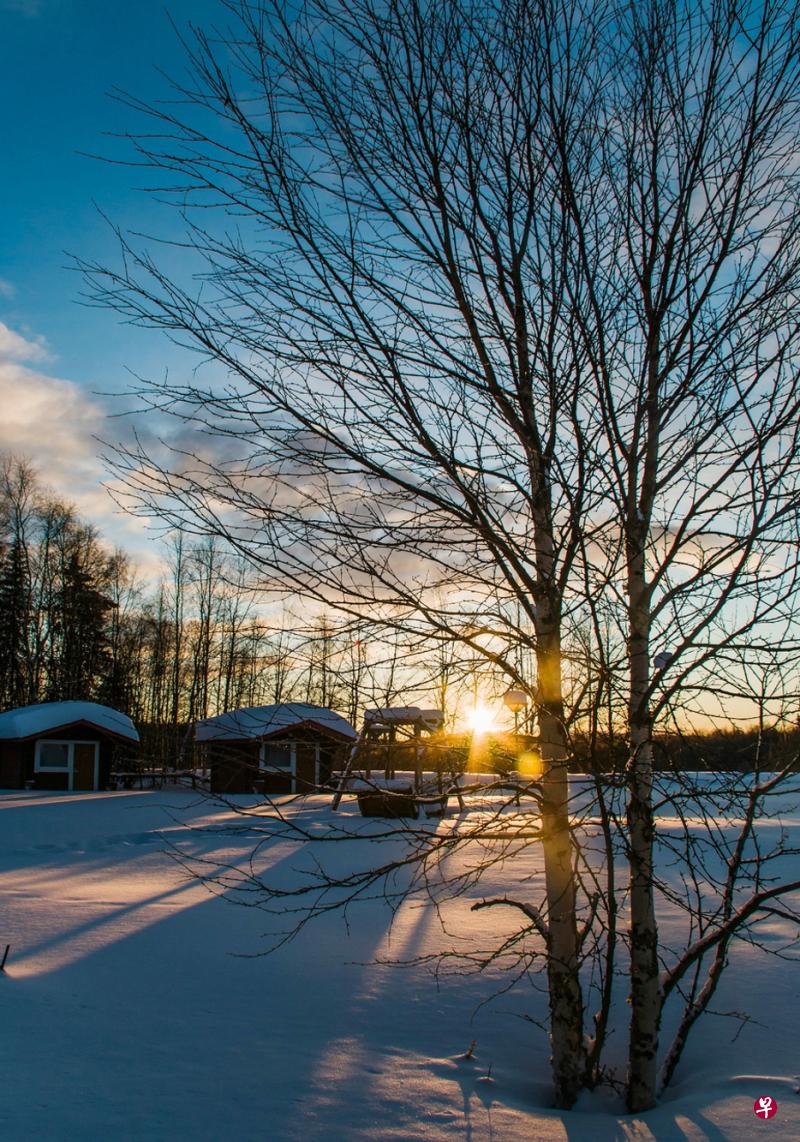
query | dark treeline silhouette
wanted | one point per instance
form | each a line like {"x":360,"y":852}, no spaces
{"x":59,"y":595}
{"x":78,"y":622}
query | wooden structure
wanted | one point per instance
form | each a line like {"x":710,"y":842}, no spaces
{"x":290,"y":747}
{"x":392,"y":739}
{"x":157,"y":778}
{"x":61,"y":745}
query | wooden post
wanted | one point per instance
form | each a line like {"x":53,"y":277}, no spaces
{"x":417,"y":758}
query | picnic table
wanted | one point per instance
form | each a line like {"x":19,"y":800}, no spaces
{"x":400,"y":799}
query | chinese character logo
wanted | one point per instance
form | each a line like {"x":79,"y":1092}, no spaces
{"x":765,"y":1107}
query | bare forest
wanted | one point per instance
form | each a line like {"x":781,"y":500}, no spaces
{"x":78,"y":621}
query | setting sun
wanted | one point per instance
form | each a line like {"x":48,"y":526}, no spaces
{"x":481,"y":720}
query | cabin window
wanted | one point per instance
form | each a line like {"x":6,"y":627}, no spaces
{"x":281,"y":757}
{"x":53,"y":756}
{"x":78,"y":759}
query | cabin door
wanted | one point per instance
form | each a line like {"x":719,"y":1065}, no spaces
{"x":307,"y":765}
{"x":84,"y":765}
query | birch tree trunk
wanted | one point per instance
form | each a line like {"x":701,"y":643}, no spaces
{"x":566,"y":1002}
{"x":645,"y":996}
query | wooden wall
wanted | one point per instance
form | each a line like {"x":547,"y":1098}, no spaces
{"x":17,"y":758}
{"x":235,"y":764}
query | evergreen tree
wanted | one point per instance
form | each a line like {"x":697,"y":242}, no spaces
{"x":14,"y":632}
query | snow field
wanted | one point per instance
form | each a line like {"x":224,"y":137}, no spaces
{"x":133,"y":1007}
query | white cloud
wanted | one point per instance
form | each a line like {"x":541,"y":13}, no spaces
{"x":15,"y":347}
{"x":7,"y":289}
{"x":53,"y":423}
{"x":50,"y":422}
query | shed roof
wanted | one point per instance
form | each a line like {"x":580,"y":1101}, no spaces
{"x":263,"y":721}
{"x":406,"y":716}
{"x":44,"y":717}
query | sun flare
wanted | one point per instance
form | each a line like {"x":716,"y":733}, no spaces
{"x":481,"y":720}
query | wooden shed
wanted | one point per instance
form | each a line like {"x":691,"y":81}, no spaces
{"x":291,"y":747}
{"x":61,"y":745}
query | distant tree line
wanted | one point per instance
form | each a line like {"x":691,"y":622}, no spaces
{"x":78,"y":622}
{"x":59,"y":591}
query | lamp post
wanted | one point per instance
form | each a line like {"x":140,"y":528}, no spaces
{"x":516,"y":701}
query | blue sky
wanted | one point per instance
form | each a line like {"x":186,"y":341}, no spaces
{"x":59,"y":60}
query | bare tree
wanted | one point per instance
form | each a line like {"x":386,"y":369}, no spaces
{"x":19,"y":496}
{"x":686,"y":264}
{"x":507,"y":318}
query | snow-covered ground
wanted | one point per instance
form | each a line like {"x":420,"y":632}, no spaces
{"x":133,"y":1009}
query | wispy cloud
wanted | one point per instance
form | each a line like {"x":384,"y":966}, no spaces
{"x":7,"y":289}
{"x":15,"y":347}
{"x":53,"y":423}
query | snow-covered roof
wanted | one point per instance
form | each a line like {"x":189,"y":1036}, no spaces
{"x":264,"y":721}
{"x":406,"y":715}
{"x":43,"y":718}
